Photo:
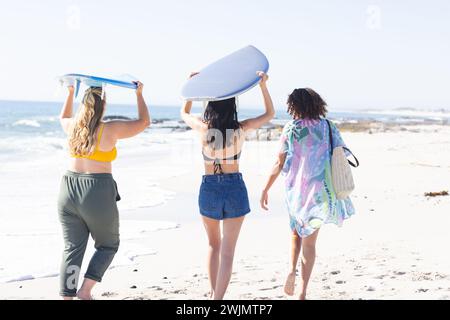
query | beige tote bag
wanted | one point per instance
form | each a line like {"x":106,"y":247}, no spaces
{"x":341,"y":172}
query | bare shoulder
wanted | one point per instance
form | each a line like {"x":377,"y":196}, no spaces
{"x":246,"y":125}
{"x":111,"y":125}
{"x":202,"y":127}
{"x":196,"y":123}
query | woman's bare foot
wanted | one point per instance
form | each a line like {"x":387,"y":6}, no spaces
{"x":302,"y":293}
{"x":84,"y":295}
{"x":289,"y":286}
{"x":85,"y":291}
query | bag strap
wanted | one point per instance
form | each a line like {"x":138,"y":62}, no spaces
{"x":353,"y":164}
{"x":330,"y":135}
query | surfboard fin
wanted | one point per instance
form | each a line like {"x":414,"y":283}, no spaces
{"x":77,"y":87}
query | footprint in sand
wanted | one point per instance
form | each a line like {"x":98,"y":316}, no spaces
{"x":335,"y":272}
{"x":157,"y":288}
{"x":252,"y":268}
{"x":182,"y":291}
{"x":153,"y":287}
{"x":109,"y":294}
{"x":271,"y":288}
{"x":136,"y":298}
{"x":340,"y":282}
{"x":399,"y":273}
{"x":439,"y":276}
{"x":422,"y":276}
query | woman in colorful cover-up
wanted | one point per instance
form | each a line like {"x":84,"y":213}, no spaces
{"x":305,"y":160}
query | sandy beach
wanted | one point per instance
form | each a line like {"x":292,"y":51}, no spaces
{"x":393,"y":248}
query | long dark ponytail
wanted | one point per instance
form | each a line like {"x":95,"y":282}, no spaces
{"x":222,"y":116}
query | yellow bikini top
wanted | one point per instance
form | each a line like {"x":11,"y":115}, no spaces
{"x":98,"y":155}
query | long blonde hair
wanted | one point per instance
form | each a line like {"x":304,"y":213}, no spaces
{"x":82,"y":138}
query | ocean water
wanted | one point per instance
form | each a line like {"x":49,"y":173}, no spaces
{"x":22,"y":118}
{"x":33,"y":156}
{"x":33,"y":127}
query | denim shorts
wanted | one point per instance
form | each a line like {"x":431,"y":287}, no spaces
{"x":223,"y":196}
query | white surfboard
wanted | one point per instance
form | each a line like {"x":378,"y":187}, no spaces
{"x":228,"y":77}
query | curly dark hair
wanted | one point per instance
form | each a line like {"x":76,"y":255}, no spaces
{"x":306,"y":103}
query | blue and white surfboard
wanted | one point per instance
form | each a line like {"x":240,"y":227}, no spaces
{"x":76,"y":79}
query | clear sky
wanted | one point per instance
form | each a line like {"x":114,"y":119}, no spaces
{"x":356,"y":54}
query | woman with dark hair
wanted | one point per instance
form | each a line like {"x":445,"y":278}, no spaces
{"x":305,"y":160}
{"x":223,"y":194}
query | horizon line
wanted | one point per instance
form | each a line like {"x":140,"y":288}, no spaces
{"x":247,"y":107}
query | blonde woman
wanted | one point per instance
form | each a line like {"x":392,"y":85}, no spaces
{"x":88,"y":194}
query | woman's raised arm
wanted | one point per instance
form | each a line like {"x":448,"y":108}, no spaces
{"x":65,"y":117}
{"x":193,"y":122}
{"x":127,"y":129}
{"x":269,"y":113}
